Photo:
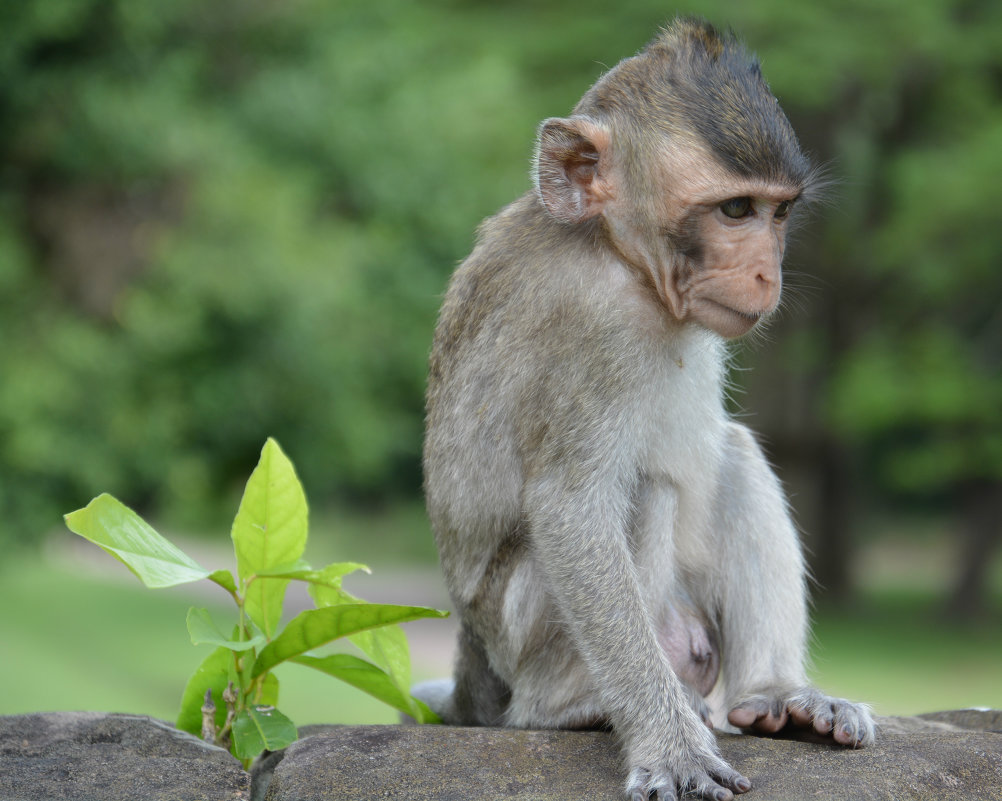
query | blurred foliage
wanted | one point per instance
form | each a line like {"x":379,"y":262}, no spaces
{"x":194,"y":196}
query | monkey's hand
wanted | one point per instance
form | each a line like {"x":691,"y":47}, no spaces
{"x":811,"y":711}
{"x":692,"y":767}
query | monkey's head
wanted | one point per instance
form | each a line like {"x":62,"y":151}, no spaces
{"x":683,"y":159}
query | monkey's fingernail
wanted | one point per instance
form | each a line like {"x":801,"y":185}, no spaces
{"x":723,"y":795}
{"x":743,"y":784}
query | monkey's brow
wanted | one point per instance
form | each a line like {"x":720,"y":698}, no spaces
{"x":771,"y":193}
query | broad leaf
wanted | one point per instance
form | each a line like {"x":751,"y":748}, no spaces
{"x":330,"y":593}
{"x":386,"y":646}
{"x":202,"y":630}
{"x":224,"y":578}
{"x":116,"y":529}
{"x":329,"y":576}
{"x":213,"y":674}
{"x":369,"y":679}
{"x":269,"y":691}
{"x":315,"y":627}
{"x":261,"y":728}
{"x":269,"y":531}
{"x":286,"y":570}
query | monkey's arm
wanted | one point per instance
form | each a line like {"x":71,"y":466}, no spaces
{"x":577,"y":521}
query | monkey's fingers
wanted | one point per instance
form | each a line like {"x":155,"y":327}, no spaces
{"x":803,"y":718}
{"x":730,"y":779}
{"x":759,"y":714}
{"x":719,"y":783}
{"x":799,"y":716}
{"x":845,"y":722}
{"x":720,"y":787}
{"x":644,"y":784}
{"x":853,"y":725}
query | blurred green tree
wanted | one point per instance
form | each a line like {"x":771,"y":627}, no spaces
{"x":225,"y":221}
{"x":904,"y":342}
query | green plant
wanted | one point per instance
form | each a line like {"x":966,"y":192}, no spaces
{"x":269,"y":536}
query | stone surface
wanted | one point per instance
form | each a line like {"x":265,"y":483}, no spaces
{"x":948,"y":756}
{"x":974,"y":719}
{"x":88,"y":756}
{"x":80,"y":756}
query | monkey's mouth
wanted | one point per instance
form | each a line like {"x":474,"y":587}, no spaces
{"x":726,"y":320}
{"x":751,"y":317}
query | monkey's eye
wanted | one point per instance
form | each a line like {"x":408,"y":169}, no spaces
{"x":736,"y":207}
{"x":783,"y":210}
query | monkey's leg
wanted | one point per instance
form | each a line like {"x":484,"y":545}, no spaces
{"x":479,"y":696}
{"x":761,"y":598}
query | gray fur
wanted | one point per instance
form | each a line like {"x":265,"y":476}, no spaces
{"x":604,"y":527}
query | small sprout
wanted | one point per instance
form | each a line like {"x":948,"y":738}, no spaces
{"x":209,"y":718}
{"x":269,"y":537}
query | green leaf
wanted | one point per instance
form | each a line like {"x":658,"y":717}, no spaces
{"x":387,"y":648}
{"x":425,"y":712}
{"x":116,"y":529}
{"x":224,"y":578}
{"x":361,"y":674}
{"x":287,"y":570}
{"x":213,"y":674}
{"x":329,"y":593}
{"x":269,"y":691}
{"x":315,"y":627}
{"x":269,"y":531}
{"x":329,"y":576}
{"x":202,"y":630}
{"x":261,"y":728}
{"x":369,"y":679}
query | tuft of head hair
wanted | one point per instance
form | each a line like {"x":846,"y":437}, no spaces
{"x":695,"y":82}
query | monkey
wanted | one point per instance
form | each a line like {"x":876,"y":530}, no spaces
{"x":618,"y":550}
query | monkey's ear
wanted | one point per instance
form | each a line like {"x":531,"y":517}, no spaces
{"x":571,"y":168}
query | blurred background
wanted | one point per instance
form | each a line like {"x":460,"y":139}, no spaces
{"x":231,"y":220}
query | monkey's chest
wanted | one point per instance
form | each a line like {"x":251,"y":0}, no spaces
{"x":681,"y":421}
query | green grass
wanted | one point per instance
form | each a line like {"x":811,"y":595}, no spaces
{"x":74,"y":642}
{"x":79,"y":637}
{"x":898,"y":654}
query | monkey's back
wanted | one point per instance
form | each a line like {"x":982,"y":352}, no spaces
{"x":507,"y":380}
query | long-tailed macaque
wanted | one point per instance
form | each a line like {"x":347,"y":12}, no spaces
{"x":616,"y":546}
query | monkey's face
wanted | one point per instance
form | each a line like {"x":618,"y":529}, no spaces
{"x":708,"y":242}
{"x":733,"y":278}
{"x":713,"y":243}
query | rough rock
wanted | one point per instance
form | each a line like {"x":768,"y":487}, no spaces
{"x":82,"y":756}
{"x":89,"y":756}
{"x":946,"y":756}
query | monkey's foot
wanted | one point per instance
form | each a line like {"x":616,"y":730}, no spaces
{"x":845,"y":722}
{"x":437,"y":694}
{"x":702,"y":775}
